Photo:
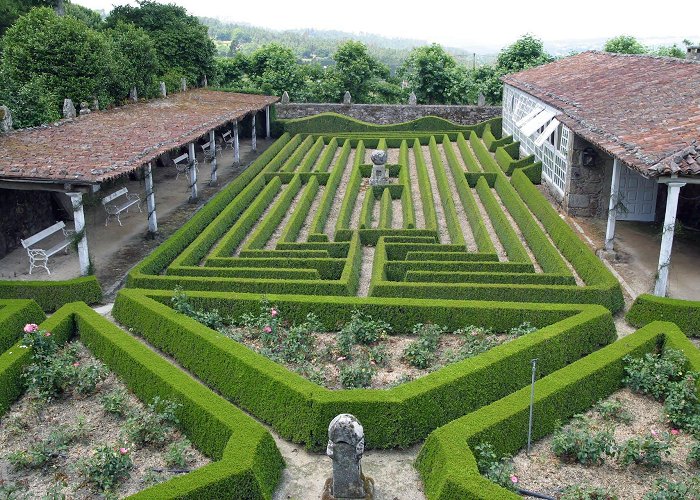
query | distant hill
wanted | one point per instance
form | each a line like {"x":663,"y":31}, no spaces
{"x":319,"y":45}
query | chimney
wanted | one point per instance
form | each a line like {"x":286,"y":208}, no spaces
{"x":693,"y":53}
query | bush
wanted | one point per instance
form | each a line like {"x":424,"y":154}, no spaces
{"x":665,"y":489}
{"x":646,"y":450}
{"x":178,"y":454}
{"x":586,"y":492}
{"x":500,"y":471}
{"x":106,"y":467}
{"x":212,"y":318}
{"x":613,"y":410}
{"x":580,"y":442}
{"x":694,"y":454}
{"x":154,"y":425}
{"x":43,"y":452}
{"x":420,"y":353}
{"x":356,"y":375}
{"x":115,"y":402}
{"x":365,"y":330}
{"x":653,"y":373}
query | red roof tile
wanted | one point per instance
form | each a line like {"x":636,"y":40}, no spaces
{"x":106,"y":144}
{"x":645,"y":110}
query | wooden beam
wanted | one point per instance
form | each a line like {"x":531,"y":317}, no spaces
{"x":59,"y":187}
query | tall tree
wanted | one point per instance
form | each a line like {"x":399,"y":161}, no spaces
{"x":430,"y":72}
{"x":526,"y":52}
{"x":273,"y":69}
{"x":181,"y":41}
{"x":624,"y":44}
{"x":355,"y":69}
{"x":133,"y":61}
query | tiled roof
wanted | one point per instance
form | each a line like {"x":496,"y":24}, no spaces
{"x":644,"y":110}
{"x":101,"y":145}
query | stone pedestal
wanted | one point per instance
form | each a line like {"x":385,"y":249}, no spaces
{"x":379,"y":172}
{"x":346,"y":445}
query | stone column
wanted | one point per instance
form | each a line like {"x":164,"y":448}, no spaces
{"x":5,"y":120}
{"x":163,"y":90}
{"x":347,"y":98}
{"x":253,"y":138}
{"x":151,"y":201}
{"x":68,"y":109}
{"x":183,"y":83}
{"x":267,"y":122}
{"x":236,"y":144}
{"x":285,"y":98}
{"x":79,"y":221}
{"x":346,"y":445}
{"x":212,"y":152}
{"x":192,"y":172}
{"x":134,"y":94}
{"x":661,"y":286}
{"x":612,"y":206}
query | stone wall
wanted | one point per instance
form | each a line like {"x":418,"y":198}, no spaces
{"x":22,"y":214}
{"x":385,"y":114}
{"x":588,"y":188}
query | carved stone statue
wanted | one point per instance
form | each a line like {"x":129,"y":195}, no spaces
{"x":346,"y":445}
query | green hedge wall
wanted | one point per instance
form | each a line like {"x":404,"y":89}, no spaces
{"x":409,"y":211}
{"x":326,"y":123}
{"x":448,"y":204}
{"x":352,"y":190}
{"x":50,"y":295}
{"x":446,"y":461}
{"x":319,"y":223}
{"x":14,"y":314}
{"x":684,"y":313}
{"x":300,"y":410}
{"x":385,"y":212}
{"x":425,"y":189}
{"x":470,"y":160}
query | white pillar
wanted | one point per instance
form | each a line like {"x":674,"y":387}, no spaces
{"x":193,"y":172}
{"x":236,"y":145}
{"x":79,"y":220}
{"x":254,"y":141}
{"x":267,"y":122}
{"x":612,"y":207}
{"x":667,"y":238}
{"x":212,"y":152}
{"x":151,"y":201}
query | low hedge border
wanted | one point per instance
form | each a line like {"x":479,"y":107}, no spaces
{"x":257,"y":238}
{"x":470,"y":160}
{"x":352,"y":190}
{"x":301,"y":212}
{"x":327,"y":158}
{"x":446,"y":461}
{"x":684,"y":313}
{"x":448,"y":204}
{"x":319,"y":223}
{"x":300,"y":410}
{"x":248,"y":464}
{"x":14,"y":314}
{"x":409,"y":211}
{"x":474,"y":177}
{"x":325,"y":123}
{"x":294,"y":160}
{"x":367,"y":210}
{"x":489,"y":277}
{"x":425,"y":189}
{"x":385,"y":210}
{"x":50,"y":295}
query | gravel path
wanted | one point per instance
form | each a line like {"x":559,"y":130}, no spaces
{"x":458,"y":154}
{"x":396,"y":214}
{"x":461,"y":214}
{"x":439,"y":212}
{"x":339,"y":195}
{"x":258,"y":222}
{"x":272,"y":242}
{"x":516,"y":228}
{"x":306,"y":226}
{"x":415,"y":192}
{"x":333,"y":161}
{"x":366,"y":271}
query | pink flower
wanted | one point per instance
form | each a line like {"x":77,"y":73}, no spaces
{"x":341,"y":358}
{"x":274,"y":312}
{"x":675,"y":432}
{"x":654,"y":433}
{"x":123,"y":451}
{"x":514,"y":479}
{"x":267,"y":329}
{"x":47,"y":334}
{"x":30,"y":327}
{"x":76,"y":364}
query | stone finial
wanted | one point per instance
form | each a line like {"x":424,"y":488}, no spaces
{"x":205,"y":82}
{"x":412,"y":99}
{"x":5,"y":120}
{"x":285,"y":98}
{"x":95,"y":105}
{"x":134,"y":94}
{"x":163,"y":89}
{"x":84,"y":108}
{"x":347,"y":98}
{"x":346,"y":445}
{"x":379,"y":174}
{"x":379,"y":157}
{"x":481,"y":100}
{"x":183,"y":84}
{"x":68,"y":109}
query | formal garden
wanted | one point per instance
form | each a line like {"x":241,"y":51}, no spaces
{"x":306,"y":289}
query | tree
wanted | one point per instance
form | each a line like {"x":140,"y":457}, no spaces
{"x":181,"y":41}
{"x":273,"y":69}
{"x":526,"y":52}
{"x":624,"y":44}
{"x":669,"y":51}
{"x":133,"y":61}
{"x":90,"y":17}
{"x":354,"y":71}
{"x":71,"y":59}
{"x":430,"y":72}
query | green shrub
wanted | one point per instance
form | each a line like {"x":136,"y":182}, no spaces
{"x":212,"y":318}
{"x":586,"y":492}
{"x":421,"y":353}
{"x":152,"y":426}
{"x":500,"y":471}
{"x":177,"y":454}
{"x":43,"y":452}
{"x":653,"y":373}
{"x":613,"y":410}
{"x":115,"y":402}
{"x":580,"y":442}
{"x":684,"y":313}
{"x":363,"y":329}
{"x":646,"y":450}
{"x":107,"y":467}
{"x":665,"y":489}
{"x":694,"y":454}
{"x":358,"y":374}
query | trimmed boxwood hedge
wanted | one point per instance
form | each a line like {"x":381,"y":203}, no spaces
{"x":50,"y":295}
{"x":248,"y":463}
{"x":425,"y":189}
{"x":300,"y":410}
{"x":14,"y":314}
{"x":684,"y":313}
{"x":446,"y":461}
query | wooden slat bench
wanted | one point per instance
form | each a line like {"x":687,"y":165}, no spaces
{"x":206,"y":149}
{"x":38,"y":255}
{"x":228,"y":139}
{"x":118,"y":202}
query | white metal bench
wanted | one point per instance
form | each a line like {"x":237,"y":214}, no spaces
{"x":206,"y":149}
{"x":182,"y":165}
{"x":228,"y":139}
{"x":39,"y":254}
{"x":118,"y":202}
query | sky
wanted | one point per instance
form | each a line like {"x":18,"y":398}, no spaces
{"x":462,"y":24}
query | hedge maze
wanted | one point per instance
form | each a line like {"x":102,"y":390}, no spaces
{"x":460,"y":236}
